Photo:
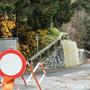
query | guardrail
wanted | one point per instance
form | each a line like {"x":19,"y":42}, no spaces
{"x":47,"y":49}
{"x":84,"y":55}
{"x":87,"y":54}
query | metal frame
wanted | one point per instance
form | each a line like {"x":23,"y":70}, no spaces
{"x":3,"y":39}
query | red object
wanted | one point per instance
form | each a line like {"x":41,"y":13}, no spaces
{"x":42,"y":66}
{"x":8,"y":83}
{"x":9,"y":51}
{"x":31,"y":68}
{"x":23,"y":79}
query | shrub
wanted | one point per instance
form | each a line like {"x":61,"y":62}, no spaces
{"x":6,"y":27}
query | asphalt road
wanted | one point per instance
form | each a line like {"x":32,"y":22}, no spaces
{"x":76,"y":78}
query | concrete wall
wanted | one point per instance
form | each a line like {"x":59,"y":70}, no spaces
{"x":71,"y":56}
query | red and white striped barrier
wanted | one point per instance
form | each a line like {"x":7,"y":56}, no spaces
{"x":13,"y":64}
{"x":42,"y":66}
{"x":38,"y":82}
{"x":44,"y":71}
{"x":33,"y":74}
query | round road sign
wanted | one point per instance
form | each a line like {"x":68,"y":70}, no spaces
{"x":12,"y":63}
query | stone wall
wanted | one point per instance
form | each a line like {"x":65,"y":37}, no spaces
{"x":55,"y":60}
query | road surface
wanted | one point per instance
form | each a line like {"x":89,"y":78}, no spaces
{"x":76,"y":78}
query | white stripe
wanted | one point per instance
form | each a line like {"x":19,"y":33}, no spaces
{"x":41,"y":78}
{"x":33,"y":72}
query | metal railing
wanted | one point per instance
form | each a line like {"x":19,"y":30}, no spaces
{"x":87,"y":53}
{"x":46,"y":51}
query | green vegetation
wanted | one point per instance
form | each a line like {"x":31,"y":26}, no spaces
{"x":36,"y":16}
{"x":51,"y":36}
{"x":83,"y":6}
{"x":79,"y":26}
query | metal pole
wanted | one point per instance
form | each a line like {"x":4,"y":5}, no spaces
{"x":37,"y":39}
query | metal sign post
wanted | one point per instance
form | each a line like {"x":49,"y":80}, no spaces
{"x":37,"y":40}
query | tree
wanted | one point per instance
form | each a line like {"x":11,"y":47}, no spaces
{"x":63,"y":14}
{"x":79,"y":25}
{"x":85,"y":4}
{"x":42,"y":14}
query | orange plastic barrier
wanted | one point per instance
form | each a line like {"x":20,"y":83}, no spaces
{"x":8,"y":83}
